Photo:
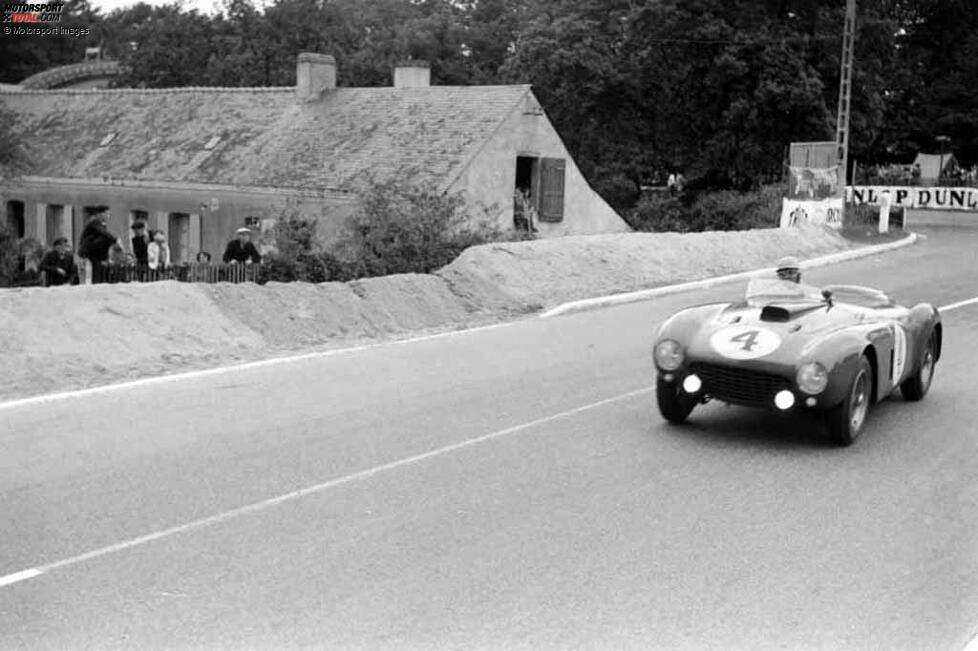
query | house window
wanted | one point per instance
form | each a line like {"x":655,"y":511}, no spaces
{"x":179,"y":237}
{"x":552,"y":189}
{"x":15,"y":218}
{"x":57,"y":222}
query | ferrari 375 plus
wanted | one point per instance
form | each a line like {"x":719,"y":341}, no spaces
{"x":788,"y":346}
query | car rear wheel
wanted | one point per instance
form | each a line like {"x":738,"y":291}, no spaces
{"x":846,"y":421}
{"x":674,"y":404}
{"x":917,"y":385}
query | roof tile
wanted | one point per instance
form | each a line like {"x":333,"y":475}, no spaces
{"x":268,"y":138}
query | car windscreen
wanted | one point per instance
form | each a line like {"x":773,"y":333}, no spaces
{"x":761,"y":291}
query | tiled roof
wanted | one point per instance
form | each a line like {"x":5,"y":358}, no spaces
{"x":74,"y":72}
{"x":267,"y":137}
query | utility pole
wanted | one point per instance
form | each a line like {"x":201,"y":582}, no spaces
{"x":845,"y":97}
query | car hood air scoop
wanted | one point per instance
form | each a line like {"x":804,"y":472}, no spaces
{"x":782,"y":313}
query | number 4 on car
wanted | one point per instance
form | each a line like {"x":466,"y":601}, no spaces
{"x":789,"y":347}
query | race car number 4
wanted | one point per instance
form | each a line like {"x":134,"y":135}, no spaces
{"x":745,"y":342}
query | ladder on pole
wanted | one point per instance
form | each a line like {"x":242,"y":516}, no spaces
{"x":845,"y":97}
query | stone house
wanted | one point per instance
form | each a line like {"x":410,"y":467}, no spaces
{"x":202,"y":162}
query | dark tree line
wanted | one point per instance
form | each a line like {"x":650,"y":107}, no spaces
{"x":716,"y":88}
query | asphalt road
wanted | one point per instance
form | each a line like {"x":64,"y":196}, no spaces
{"x":509,"y":488}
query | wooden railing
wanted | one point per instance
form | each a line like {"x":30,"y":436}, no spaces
{"x":192,"y":272}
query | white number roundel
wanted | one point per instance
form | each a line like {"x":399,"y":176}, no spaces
{"x":745,"y":342}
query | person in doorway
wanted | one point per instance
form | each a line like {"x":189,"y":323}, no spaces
{"x":241,"y":249}
{"x":58,"y":265}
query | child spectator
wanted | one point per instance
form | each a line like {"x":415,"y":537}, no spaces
{"x":158,"y":253}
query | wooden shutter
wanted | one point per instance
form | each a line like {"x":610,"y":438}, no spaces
{"x":552,"y":189}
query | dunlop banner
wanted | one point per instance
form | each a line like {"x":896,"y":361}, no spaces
{"x":911,"y":197}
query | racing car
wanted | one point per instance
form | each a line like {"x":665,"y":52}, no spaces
{"x":790,"y":347}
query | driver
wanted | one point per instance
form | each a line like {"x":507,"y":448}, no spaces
{"x":789,"y":269}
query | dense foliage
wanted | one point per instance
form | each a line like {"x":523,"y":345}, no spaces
{"x":395,"y":229}
{"x":723,"y":210}
{"x":717,"y":88}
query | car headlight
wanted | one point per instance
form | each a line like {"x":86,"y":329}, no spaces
{"x":668,"y":355}
{"x":812,"y":378}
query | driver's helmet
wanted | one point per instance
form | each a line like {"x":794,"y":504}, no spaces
{"x":789,"y":268}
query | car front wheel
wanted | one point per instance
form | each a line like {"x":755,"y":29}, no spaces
{"x":674,"y":404}
{"x":846,"y":420}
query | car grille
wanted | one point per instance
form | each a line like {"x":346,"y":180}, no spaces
{"x":740,"y":386}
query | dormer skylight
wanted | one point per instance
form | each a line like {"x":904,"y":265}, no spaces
{"x":212,"y":143}
{"x":107,"y":139}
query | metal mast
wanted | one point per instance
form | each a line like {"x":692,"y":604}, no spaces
{"x":845,"y":97}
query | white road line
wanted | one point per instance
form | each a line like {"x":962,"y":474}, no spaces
{"x":954,"y":306}
{"x":20,"y":576}
{"x":303,"y":492}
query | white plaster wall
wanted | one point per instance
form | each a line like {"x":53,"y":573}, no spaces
{"x":491,"y":177}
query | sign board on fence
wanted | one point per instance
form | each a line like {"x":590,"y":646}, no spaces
{"x":826,"y":212}
{"x":913,"y":197}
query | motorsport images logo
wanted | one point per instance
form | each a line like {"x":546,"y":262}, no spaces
{"x":26,"y":18}
{"x":23,"y":12}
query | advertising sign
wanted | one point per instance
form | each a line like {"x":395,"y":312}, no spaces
{"x":826,"y":212}
{"x":913,"y":197}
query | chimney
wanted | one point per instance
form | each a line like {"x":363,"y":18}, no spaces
{"x":415,"y":73}
{"x":314,"y":73}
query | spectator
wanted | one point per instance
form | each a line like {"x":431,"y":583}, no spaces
{"x":241,"y":249}
{"x":140,"y":247}
{"x":93,"y":246}
{"x":158,"y":253}
{"x":202,"y":271}
{"x":58,"y":265}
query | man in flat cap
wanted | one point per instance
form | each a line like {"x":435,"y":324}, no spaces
{"x":241,"y":249}
{"x":789,"y":269}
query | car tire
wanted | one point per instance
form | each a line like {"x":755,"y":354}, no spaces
{"x":846,"y":420}
{"x":916,"y":386}
{"x":674,"y":404}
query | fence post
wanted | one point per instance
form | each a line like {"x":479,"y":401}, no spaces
{"x":884,"y":226}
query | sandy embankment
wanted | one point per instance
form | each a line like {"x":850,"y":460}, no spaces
{"x":64,"y":338}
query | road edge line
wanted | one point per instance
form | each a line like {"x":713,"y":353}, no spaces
{"x":644,"y":294}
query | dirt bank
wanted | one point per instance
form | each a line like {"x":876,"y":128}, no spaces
{"x":64,"y":338}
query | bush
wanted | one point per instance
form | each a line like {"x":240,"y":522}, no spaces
{"x":710,"y":211}
{"x":621,"y":192}
{"x":405,"y":229}
{"x":297,"y":255}
{"x":862,"y":214}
